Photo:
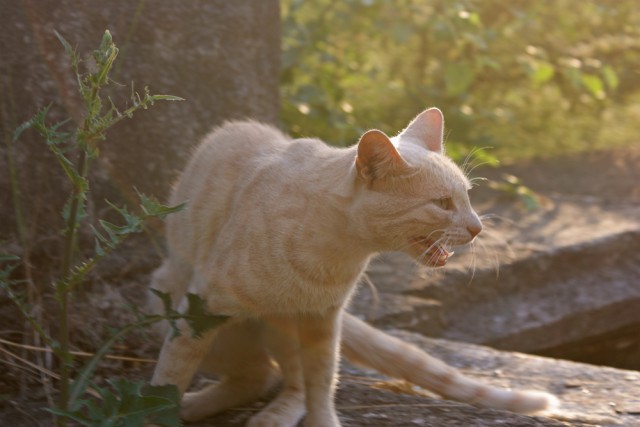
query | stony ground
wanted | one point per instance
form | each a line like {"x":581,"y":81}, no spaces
{"x":580,"y":199}
{"x":591,"y":396}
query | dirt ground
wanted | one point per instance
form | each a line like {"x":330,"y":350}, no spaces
{"x":602,"y":177}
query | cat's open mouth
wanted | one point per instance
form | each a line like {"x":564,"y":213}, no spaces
{"x":430,"y":253}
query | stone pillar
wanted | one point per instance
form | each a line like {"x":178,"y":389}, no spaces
{"x":221,"y":56}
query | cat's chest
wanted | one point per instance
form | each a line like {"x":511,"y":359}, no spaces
{"x":261,"y":290}
{"x":278,"y":269}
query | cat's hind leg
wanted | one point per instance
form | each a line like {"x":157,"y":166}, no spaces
{"x":230,"y":392}
{"x":238,"y":354}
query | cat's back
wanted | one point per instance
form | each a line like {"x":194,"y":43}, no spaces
{"x":215,"y":172}
{"x":244,"y":138}
{"x":226,"y":153}
{"x":234,"y":144}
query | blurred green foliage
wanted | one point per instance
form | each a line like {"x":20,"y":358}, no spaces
{"x":527,"y":78}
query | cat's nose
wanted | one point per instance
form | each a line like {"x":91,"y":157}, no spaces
{"x":474,"y":229}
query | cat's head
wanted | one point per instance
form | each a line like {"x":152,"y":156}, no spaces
{"x":414,"y":199}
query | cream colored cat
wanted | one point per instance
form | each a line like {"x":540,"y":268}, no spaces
{"x":276,"y":234}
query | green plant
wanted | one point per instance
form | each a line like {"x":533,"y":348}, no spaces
{"x":528,"y":78}
{"x":512,"y":186}
{"x":123,"y":403}
{"x":127,"y":403}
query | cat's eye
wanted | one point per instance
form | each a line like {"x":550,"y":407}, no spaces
{"x":444,"y":203}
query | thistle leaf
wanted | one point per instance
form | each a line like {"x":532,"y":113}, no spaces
{"x":199,"y":318}
{"x":152,"y":208}
{"x":166,"y":98}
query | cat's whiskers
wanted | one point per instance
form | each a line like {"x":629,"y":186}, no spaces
{"x":423,"y":239}
{"x":493,"y":217}
{"x":469,"y":159}
{"x":475,"y":179}
{"x":474,"y":258}
{"x":434,"y":243}
{"x":441,"y":241}
{"x":468,"y":166}
{"x":476,"y":166}
{"x":490,"y":221}
{"x":488,"y":234}
{"x":493,"y":256}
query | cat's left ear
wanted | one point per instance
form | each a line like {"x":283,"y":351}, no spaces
{"x":427,"y":130}
{"x":377,"y":157}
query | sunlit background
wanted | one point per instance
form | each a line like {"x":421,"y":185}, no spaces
{"x":527,"y":78}
{"x":541,"y":97}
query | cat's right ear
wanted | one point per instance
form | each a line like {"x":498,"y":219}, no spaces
{"x":427,"y":130}
{"x":377,"y":157}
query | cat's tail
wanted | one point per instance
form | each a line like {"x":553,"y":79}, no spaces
{"x":364,"y":345}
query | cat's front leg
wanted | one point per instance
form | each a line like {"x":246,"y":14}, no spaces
{"x":286,"y":410}
{"x":320,"y":347}
{"x":180,"y":357}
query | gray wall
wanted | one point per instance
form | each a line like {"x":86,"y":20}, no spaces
{"x":222,"y":56}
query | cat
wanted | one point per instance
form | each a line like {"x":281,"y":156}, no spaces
{"x":276,"y":234}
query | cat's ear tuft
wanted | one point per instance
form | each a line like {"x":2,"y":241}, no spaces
{"x":377,"y":157}
{"x":427,"y":129}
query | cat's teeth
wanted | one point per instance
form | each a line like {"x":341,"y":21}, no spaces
{"x":444,"y":255}
{"x":437,"y":253}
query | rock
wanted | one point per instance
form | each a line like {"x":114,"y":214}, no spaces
{"x":570,"y":279}
{"x":589,"y":395}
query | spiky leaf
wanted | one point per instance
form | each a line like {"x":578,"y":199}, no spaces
{"x":199,"y":318}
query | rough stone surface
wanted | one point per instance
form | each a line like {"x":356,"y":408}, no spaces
{"x":590,"y":395}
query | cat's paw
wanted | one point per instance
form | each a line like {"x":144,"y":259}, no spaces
{"x":326,"y":420}
{"x":286,"y":410}
{"x":271,"y":419}
{"x":278,"y":415}
{"x":192,"y":408}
